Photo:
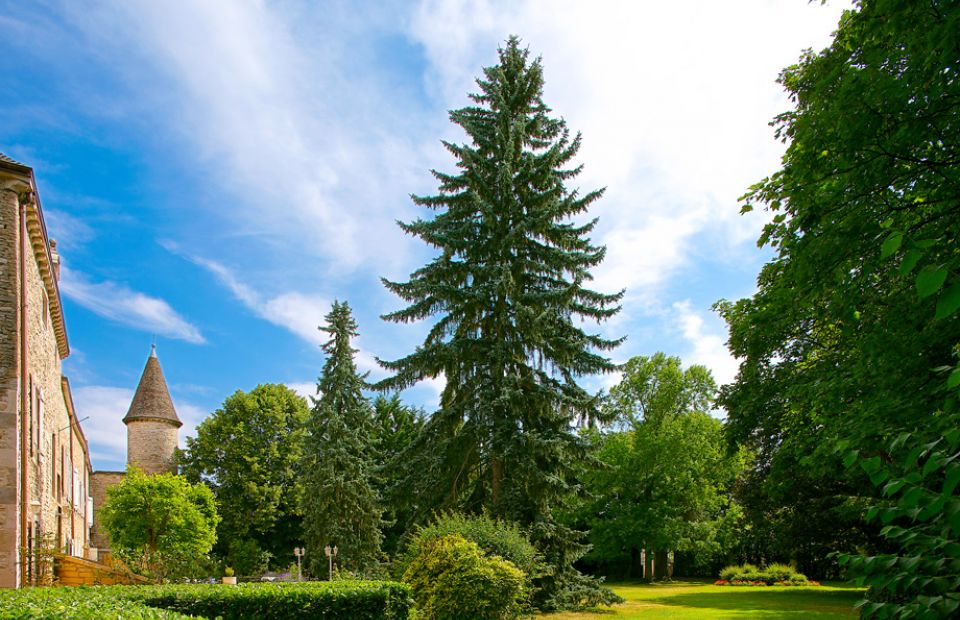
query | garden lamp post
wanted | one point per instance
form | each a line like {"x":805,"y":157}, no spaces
{"x":331,"y":553}
{"x":299,"y":552}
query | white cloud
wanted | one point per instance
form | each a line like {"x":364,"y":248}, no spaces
{"x":301,"y":314}
{"x":280,"y":109}
{"x":640,"y":258}
{"x":436,"y":384}
{"x":191,"y":416}
{"x":121,"y":304}
{"x":672,"y":99}
{"x":69,"y":231}
{"x":104,"y":408}
{"x":708,"y":346}
{"x":304,"y":388}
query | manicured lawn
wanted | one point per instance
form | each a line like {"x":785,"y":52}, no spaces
{"x":693,"y":599}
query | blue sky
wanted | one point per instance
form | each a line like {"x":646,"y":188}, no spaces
{"x":216,"y":174}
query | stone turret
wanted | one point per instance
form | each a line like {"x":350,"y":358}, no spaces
{"x":152,"y":423}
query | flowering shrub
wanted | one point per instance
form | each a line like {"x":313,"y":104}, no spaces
{"x":772,"y":574}
{"x":452,"y":578}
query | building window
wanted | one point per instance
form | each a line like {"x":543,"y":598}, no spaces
{"x":40,"y":408}
{"x":63,"y":469}
{"x":30,"y":409}
{"x":53,"y":462}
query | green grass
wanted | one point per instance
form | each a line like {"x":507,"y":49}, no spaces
{"x":701,"y":599}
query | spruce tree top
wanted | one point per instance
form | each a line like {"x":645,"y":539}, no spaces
{"x":340,"y":386}
{"x":509,"y":278}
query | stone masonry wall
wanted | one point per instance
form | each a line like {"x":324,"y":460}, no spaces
{"x":56,"y":458}
{"x":151,"y":445}
{"x":9,"y":389}
{"x":100,"y":481}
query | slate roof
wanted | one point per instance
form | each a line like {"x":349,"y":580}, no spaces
{"x":9,"y":160}
{"x":152,"y":399}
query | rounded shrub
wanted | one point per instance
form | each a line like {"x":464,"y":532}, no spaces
{"x":452,"y":579}
{"x":493,"y":536}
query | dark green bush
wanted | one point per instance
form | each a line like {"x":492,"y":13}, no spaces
{"x":453,"y":580}
{"x":360,"y":600}
{"x":247,"y":558}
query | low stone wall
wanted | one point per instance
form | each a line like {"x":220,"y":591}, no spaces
{"x":72,"y":571}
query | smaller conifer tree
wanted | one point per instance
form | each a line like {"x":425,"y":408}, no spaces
{"x":340,"y":506}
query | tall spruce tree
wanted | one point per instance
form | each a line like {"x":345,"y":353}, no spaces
{"x":396,"y":427}
{"x":507,"y":293}
{"x":340,"y":505}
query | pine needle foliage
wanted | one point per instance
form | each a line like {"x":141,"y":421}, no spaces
{"x":340,"y":505}
{"x":507,"y":295}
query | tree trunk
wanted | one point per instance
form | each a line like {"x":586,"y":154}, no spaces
{"x":497,"y":471}
{"x":661,"y":563}
{"x":648,"y":565}
{"x":636,"y":564}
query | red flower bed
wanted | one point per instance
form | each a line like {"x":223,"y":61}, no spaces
{"x":724,"y":582}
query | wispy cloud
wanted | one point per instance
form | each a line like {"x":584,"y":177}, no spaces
{"x":708,"y":346}
{"x":279,"y":106}
{"x":299,"y":313}
{"x":70,"y":231}
{"x":104,"y":428}
{"x":134,"y":309}
{"x":191,"y":415}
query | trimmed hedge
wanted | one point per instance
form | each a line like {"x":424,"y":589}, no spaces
{"x":77,"y":603}
{"x":360,"y":600}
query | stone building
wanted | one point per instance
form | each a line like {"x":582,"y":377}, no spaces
{"x":152,"y":434}
{"x":44,"y":459}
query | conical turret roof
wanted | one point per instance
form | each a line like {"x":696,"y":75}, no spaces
{"x":152,"y":400}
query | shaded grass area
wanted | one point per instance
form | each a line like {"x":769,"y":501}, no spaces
{"x":702,"y":599}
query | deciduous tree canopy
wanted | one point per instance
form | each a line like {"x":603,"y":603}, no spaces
{"x":852,"y":334}
{"x":665,"y":482}
{"x":248,"y":452}
{"x":160,"y":524}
